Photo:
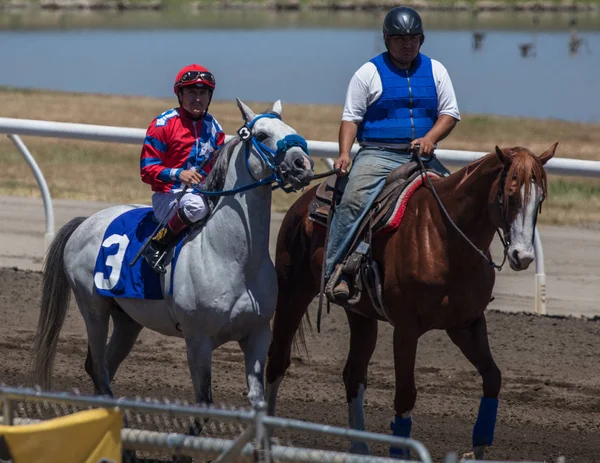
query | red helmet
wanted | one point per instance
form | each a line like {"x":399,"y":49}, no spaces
{"x":194,"y":74}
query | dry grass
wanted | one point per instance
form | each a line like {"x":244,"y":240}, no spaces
{"x":109,"y":172}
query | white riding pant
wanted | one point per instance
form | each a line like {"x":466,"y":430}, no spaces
{"x":194,"y":206}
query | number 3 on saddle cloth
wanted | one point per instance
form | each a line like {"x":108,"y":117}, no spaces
{"x":384,"y":217}
{"x":113,"y":276}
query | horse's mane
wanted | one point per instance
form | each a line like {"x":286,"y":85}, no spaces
{"x":216,"y":177}
{"x":525,"y":169}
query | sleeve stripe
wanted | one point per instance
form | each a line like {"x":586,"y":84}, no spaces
{"x":165,"y":175}
{"x":156,"y":144}
{"x":145,"y":162}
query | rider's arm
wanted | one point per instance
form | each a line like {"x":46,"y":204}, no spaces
{"x":442,"y":128}
{"x":448,"y":114}
{"x":363,"y":89}
{"x":153,"y":153}
{"x":347,"y":135}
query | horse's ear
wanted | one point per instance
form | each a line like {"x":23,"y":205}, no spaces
{"x":504,"y":158}
{"x":247,"y":113}
{"x":277,"y":108}
{"x":547,"y":155}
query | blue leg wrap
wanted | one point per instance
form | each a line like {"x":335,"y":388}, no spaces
{"x":401,"y":428}
{"x":483,"y":431}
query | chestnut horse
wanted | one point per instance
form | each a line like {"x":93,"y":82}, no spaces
{"x":433,"y":275}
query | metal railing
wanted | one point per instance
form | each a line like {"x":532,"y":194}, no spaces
{"x":251,"y":445}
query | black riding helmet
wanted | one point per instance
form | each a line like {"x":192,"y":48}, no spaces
{"x":402,"y":20}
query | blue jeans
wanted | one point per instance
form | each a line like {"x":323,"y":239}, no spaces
{"x":362,"y":186}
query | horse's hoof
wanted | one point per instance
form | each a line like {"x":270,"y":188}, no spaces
{"x":477,"y":454}
{"x":468,"y":457}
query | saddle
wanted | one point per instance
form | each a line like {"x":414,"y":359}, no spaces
{"x":357,"y":263}
{"x":382,"y":207}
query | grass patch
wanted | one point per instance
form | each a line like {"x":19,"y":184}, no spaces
{"x":85,"y":170}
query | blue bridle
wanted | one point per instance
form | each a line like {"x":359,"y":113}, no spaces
{"x":272,"y":159}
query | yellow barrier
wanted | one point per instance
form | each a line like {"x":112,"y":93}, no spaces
{"x":92,"y":436}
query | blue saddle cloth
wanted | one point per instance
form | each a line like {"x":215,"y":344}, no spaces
{"x":113,"y":276}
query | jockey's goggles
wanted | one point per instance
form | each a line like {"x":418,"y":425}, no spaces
{"x":197,"y":76}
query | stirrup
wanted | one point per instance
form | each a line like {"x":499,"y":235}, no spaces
{"x":155,"y":258}
{"x":341,"y":291}
{"x":332,"y":283}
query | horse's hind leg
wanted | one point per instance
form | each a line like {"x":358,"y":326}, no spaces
{"x":125,"y":332}
{"x":95,"y":311}
{"x":473,"y":342}
{"x":363,"y":339}
{"x":199,"y":354}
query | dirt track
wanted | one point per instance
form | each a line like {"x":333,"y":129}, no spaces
{"x":550,"y":401}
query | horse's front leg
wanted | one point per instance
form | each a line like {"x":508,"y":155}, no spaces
{"x":255,"y":348}
{"x":405,"y":352}
{"x":473,"y":342}
{"x":363,"y":339}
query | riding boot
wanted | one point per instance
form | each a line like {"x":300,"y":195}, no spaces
{"x":341,"y":291}
{"x":159,"y":246}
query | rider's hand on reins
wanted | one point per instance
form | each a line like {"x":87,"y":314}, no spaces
{"x":190,"y":177}
{"x":425,"y":146}
{"x":341,"y":164}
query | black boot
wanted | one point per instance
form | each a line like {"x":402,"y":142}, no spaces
{"x":157,"y":249}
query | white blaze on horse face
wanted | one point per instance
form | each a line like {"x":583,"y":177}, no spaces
{"x":521,"y":251}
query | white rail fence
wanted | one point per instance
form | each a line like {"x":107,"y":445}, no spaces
{"x":326,"y":150}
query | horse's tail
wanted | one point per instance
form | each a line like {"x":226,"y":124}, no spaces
{"x":56,"y":294}
{"x":297,"y":243}
{"x":299,"y":342}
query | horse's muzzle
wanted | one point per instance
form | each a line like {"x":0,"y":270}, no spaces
{"x":520,"y":259}
{"x":297,"y":169}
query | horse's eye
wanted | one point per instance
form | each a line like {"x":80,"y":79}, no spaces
{"x":261,"y":136}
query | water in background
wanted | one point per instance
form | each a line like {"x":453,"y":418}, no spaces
{"x":516,"y":72}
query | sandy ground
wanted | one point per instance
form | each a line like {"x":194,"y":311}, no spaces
{"x":550,"y":401}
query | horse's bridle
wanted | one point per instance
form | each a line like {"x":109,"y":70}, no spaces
{"x":414,"y":151}
{"x":272,"y":159}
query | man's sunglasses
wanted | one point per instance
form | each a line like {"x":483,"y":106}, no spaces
{"x":193,"y":76}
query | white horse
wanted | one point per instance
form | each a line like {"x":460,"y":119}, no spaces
{"x":224,"y":283}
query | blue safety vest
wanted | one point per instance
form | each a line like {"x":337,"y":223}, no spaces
{"x":408,"y":106}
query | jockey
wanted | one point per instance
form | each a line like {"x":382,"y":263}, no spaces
{"x":178,"y":150}
{"x":396,"y":100}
